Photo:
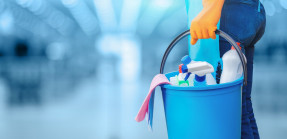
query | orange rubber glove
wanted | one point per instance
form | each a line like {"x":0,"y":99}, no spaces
{"x":205,"y":23}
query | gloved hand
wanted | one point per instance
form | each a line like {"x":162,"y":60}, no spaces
{"x":205,"y":23}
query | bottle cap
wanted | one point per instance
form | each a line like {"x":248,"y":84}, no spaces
{"x":186,"y":60}
{"x":238,"y":43}
{"x":200,"y":78}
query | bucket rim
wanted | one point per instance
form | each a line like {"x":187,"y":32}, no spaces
{"x":209,"y":87}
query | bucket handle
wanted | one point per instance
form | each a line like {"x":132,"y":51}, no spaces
{"x":217,"y":32}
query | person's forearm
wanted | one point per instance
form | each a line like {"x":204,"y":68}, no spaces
{"x":213,"y":5}
{"x":218,"y":4}
{"x":205,"y":23}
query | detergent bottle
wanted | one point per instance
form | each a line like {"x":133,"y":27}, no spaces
{"x":232,"y":67}
{"x":174,"y":80}
{"x":210,"y":79}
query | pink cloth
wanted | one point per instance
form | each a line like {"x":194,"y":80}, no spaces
{"x":159,"y":79}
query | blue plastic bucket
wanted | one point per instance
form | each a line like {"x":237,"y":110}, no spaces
{"x":210,"y":112}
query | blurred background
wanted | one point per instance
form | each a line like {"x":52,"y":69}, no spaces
{"x":80,"y":69}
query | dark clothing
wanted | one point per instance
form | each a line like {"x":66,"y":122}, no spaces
{"x":244,"y":21}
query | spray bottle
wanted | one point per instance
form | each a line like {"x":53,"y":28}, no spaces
{"x":202,"y":71}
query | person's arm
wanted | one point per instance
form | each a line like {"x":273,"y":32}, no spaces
{"x":205,"y":23}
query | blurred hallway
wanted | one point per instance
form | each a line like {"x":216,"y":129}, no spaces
{"x":80,"y":69}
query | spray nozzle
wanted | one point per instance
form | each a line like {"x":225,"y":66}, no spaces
{"x":200,"y":68}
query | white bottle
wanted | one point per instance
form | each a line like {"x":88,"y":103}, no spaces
{"x":232,"y":67}
{"x":190,"y":80}
{"x":181,"y":76}
{"x":210,"y":80}
{"x":173,"y":80}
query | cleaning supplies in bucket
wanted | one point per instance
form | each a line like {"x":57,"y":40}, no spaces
{"x":232,"y":67}
{"x":177,"y":80}
{"x":204,"y":80}
{"x":196,"y":73}
{"x":182,"y":79}
{"x":196,"y":112}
